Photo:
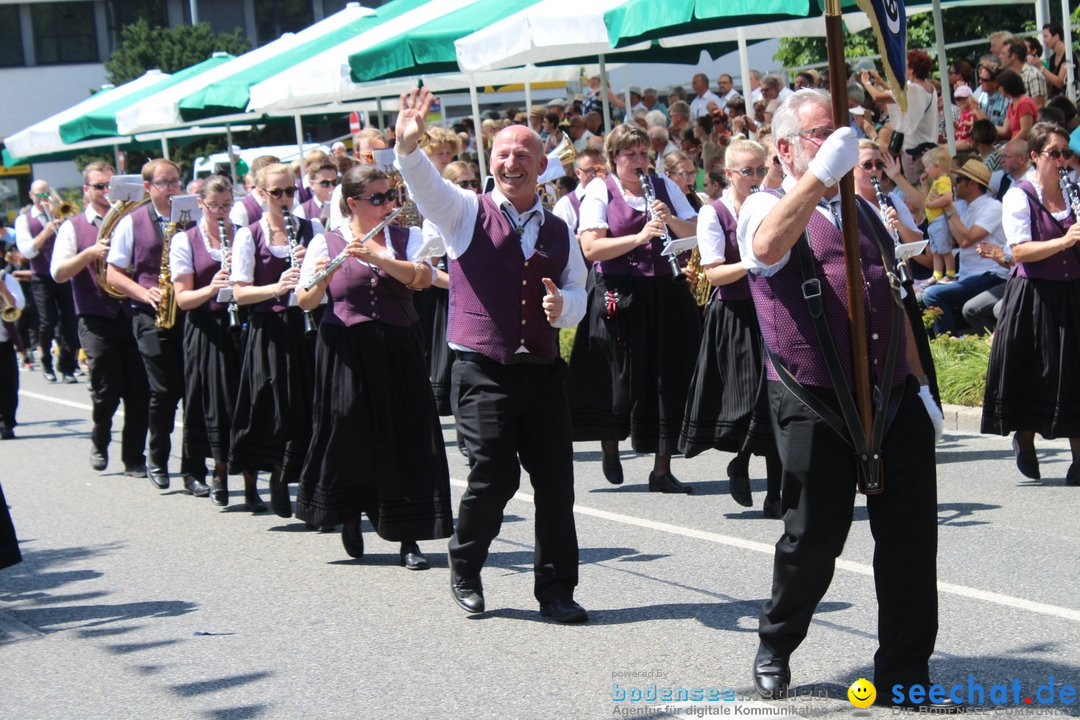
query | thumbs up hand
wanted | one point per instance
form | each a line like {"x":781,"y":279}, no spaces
{"x":553,"y":301}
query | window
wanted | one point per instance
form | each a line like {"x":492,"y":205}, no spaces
{"x":11,"y":46}
{"x":224,"y":16}
{"x":126,"y":12}
{"x":275,"y":17}
{"x":64,"y":32}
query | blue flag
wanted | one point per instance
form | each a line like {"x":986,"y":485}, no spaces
{"x":889,"y":21}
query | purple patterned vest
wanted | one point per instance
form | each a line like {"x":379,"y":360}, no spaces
{"x":575,"y":202}
{"x":206,"y":267}
{"x":1059,"y":267}
{"x":303,"y":192}
{"x":89,"y":298}
{"x":40,"y":263}
{"x":359,"y":294}
{"x":147,"y":241}
{"x":740,"y":289}
{"x":644,"y":260}
{"x":785,"y":322}
{"x":312,"y":211}
{"x":495,"y":291}
{"x":268,"y":267}
{"x":254,"y":210}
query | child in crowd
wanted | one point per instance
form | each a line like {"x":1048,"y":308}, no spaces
{"x":937,"y":162}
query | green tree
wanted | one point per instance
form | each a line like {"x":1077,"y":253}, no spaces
{"x":143,"y":47}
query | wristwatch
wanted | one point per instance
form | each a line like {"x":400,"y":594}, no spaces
{"x":948,"y":215}
{"x":1006,"y":257}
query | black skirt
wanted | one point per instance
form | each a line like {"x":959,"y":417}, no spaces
{"x":441,"y":358}
{"x":1033,"y":381}
{"x":629,"y":374}
{"x":211,"y":378}
{"x":9,"y":543}
{"x":728,"y":407}
{"x":377,"y":444}
{"x":272,"y":424}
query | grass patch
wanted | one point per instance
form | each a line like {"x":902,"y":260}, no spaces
{"x":566,"y":342}
{"x":961,"y":364}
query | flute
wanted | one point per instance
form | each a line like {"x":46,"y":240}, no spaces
{"x":226,"y":265}
{"x":290,"y":231}
{"x":343,"y":255}
{"x":884,"y":203}
{"x":650,"y":197}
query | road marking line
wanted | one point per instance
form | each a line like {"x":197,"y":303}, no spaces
{"x":730,"y":541}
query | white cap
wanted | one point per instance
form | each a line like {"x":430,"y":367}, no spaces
{"x":561,"y":102}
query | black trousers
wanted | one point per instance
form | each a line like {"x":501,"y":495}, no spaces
{"x":507,"y":412}
{"x":819,"y":485}
{"x":28,"y":321}
{"x":163,"y":357}
{"x":116,"y":373}
{"x":56,"y":318}
{"x":9,"y":384}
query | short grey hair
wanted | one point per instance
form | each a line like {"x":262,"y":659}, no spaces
{"x":655,"y":118}
{"x":649,"y":92}
{"x":658,"y":133}
{"x":785,"y":120}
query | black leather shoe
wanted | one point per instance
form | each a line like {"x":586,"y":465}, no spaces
{"x":49,"y":375}
{"x":6,"y":433}
{"x":159,"y":477}
{"x":1072,"y":478}
{"x":195,"y":486}
{"x":1026,"y":461}
{"x":99,"y":459}
{"x":134,"y":470}
{"x":279,"y":494}
{"x":564,"y":610}
{"x":411,"y":557}
{"x":467,"y":592}
{"x":772,"y":675}
{"x":739,"y":482}
{"x":252,"y":502}
{"x":219,"y":490}
{"x":612,"y":468}
{"x":667,"y":483}
{"x":772,"y":508}
{"x":69,"y":380}
{"x":352,"y":539}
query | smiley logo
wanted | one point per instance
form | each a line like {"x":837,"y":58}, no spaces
{"x":862,"y":693}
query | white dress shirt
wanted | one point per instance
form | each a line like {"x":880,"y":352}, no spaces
{"x":564,"y":209}
{"x":594,"y":206}
{"x":66,"y":246}
{"x":20,"y":301}
{"x":700,"y":104}
{"x":455,"y":210}
{"x":243,"y":250}
{"x":727,"y":97}
{"x":181,"y":260}
{"x":1016,"y":215}
{"x":710,"y":233}
{"x":754,"y":210}
{"x":239,"y":214}
{"x":24,"y":239}
{"x":301,"y":212}
{"x":122,"y":247}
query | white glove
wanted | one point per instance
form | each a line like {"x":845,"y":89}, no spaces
{"x":933,"y":411}
{"x":836,"y":156}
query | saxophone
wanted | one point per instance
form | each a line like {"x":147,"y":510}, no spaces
{"x":117,"y":211}
{"x":700,"y":287}
{"x":166,"y":308}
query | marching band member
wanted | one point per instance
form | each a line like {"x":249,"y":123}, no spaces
{"x":212,"y":370}
{"x":377,"y":442}
{"x":35,"y":234}
{"x":248,"y":209}
{"x":116,"y":368}
{"x":271,"y":427}
{"x":588,"y":165}
{"x":634,"y":351}
{"x":11,"y":295}
{"x":1033,"y":381}
{"x":137,"y":243}
{"x":323,"y":178}
{"x":728,"y":407}
{"x":515,"y":277}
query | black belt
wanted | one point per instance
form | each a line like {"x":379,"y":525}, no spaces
{"x":516,"y":359}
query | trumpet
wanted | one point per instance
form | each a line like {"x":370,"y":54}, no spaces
{"x":62,"y":209}
{"x":883,"y":204}
{"x":650,"y":197}
{"x":290,"y":231}
{"x":8,"y":312}
{"x":343,"y":255}
{"x":226,"y":265}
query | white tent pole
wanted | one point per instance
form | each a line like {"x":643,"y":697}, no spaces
{"x":378,"y":113}
{"x":1070,"y":74}
{"x":626,"y":115}
{"x":480,"y":158}
{"x":744,"y":68}
{"x":299,"y":138}
{"x":164,"y":148}
{"x":1040,"y":16}
{"x":528,"y":91}
{"x":943,"y":73}
{"x":228,"y":149}
{"x":604,"y":89}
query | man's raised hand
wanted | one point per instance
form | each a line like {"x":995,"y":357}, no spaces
{"x":415,"y":106}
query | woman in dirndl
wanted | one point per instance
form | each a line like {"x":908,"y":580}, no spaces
{"x":211,"y":348}
{"x":634,"y":350}
{"x":377,"y":444}
{"x":1033,"y":381}
{"x":272,"y":425}
{"x":728,"y":407}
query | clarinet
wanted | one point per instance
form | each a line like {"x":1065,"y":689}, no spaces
{"x":883,"y":204}
{"x":226,"y":265}
{"x":650,"y":214}
{"x":1072,"y":195}
{"x":290,"y":230}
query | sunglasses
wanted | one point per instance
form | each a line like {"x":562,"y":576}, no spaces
{"x":749,"y":172}
{"x":276,"y":193}
{"x":1058,"y":154}
{"x":378,"y":199}
{"x":871,"y":165}
{"x":468,"y":184}
{"x":42,"y":196}
{"x":328,"y":183}
{"x":99,"y":186}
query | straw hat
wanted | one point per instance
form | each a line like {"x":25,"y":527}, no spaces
{"x":976,"y":171}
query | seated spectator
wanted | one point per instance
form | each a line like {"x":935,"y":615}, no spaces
{"x":1022,"y":110}
{"x":991,"y":104}
{"x":983,"y":137}
{"x":1054,"y":70}
{"x":964,"y":112}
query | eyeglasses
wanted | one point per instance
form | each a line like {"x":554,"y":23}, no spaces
{"x":871,"y":165}
{"x":819,"y":134}
{"x":685,"y":174}
{"x":214,"y":207}
{"x":276,"y":193}
{"x":166,"y":183}
{"x":328,"y":183}
{"x":594,"y":171}
{"x":468,"y":184}
{"x":378,"y":199}
{"x":749,"y":172}
{"x":1057,"y":154}
{"x":98,"y":186}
